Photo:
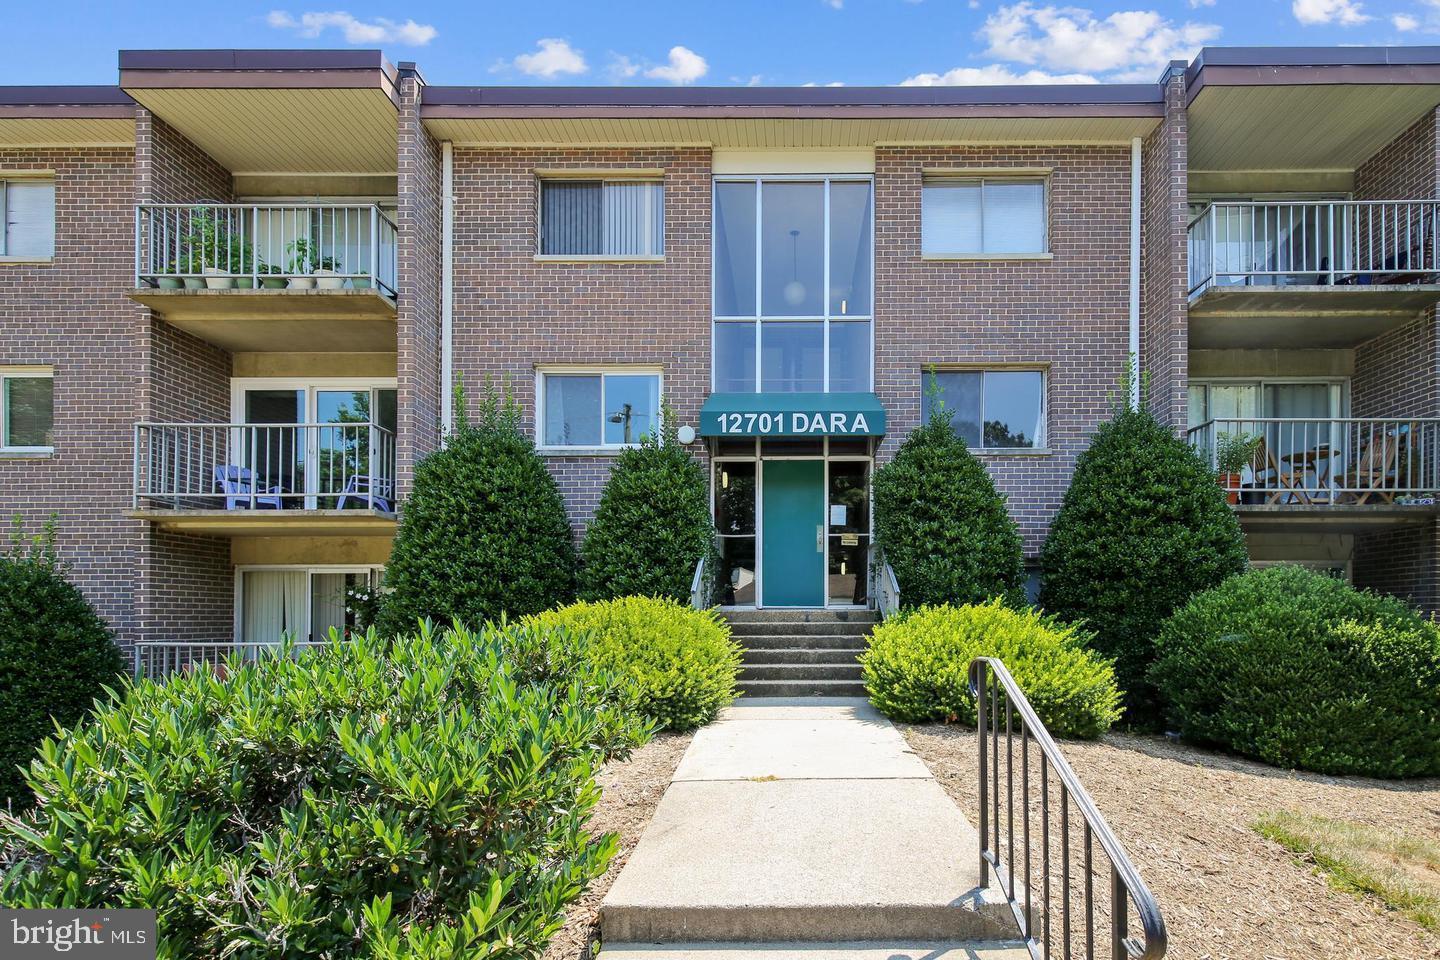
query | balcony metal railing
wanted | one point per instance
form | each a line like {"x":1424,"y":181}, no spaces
{"x":294,"y":246}
{"x":1323,"y":461}
{"x":283,"y":466}
{"x":1044,"y":843}
{"x":155,"y":659}
{"x":1351,"y":242}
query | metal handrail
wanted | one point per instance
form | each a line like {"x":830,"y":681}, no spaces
{"x":1313,"y":242}
{"x":1327,"y":460}
{"x":996,"y":693}
{"x":157,"y":658}
{"x":699,"y":594}
{"x":222,"y":245}
{"x":256,"y":466}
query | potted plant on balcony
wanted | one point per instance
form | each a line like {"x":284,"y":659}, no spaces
{"x":271,"y":276}
{"x":300,"y":263}
{"x":170,"y":279}
{"x":325,"y":270}
{"x":1233,"y":453}
{"x":361,"y":281}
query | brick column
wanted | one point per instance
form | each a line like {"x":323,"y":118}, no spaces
{"x":1164,"y":278}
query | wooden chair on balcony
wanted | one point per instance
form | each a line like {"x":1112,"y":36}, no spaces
{"x":1278,"y":484}
{"x":1375,"y":474}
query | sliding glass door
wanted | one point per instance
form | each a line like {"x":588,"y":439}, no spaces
{"x":305,"y":603}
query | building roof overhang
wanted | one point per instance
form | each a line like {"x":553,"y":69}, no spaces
{"x":63,"y":116}
{"x":1305,"y":110}
{"x":284,"y":112}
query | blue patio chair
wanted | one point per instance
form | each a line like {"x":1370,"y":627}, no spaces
{"x":367,"y":491}
{"x":238,"y":484}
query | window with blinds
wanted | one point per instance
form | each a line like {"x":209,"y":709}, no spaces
{"x":602,"y":218}
{"x":27,"y":409}
{"x":27,"y":211}
{"x":978,"y":216}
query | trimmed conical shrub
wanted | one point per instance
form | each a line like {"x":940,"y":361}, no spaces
{"x":1142,"y":527}
{"x":484,"y":531}
{"x":941,"y":523}
{"x":652,"y":524}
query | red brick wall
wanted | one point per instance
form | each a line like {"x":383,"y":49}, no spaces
{"x":72,"y":314}
{"x":1398,"y":374}
{"x":418,"y":303}
{"x":1070,"y":313}
{"x":1164,"y":333}
{"x":184,"y":584}
{"x":513,"y":313}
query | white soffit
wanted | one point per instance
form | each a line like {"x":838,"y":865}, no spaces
{"x":730,"y":161}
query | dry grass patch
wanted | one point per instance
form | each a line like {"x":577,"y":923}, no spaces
{"x":1402,"y":871}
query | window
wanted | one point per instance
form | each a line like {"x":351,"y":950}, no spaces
{"x":793,"y":261}
{"x":602,"y":218}
{"x":597,"y":408}
{"x":27,"y":210}
{"x":305,"y":602}
{"x":991,"y":409}
{"x":982,"y":216}
{"x":27,"y":410}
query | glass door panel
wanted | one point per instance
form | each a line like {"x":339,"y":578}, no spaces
{"x":273,"y":604}
{"x":329,"y":595}
{"x":848,"y":520}
{"x":735,"y":524}
{"x":276,"y":454}
{"x":341,"y":448}
{"x":1306,"y":443}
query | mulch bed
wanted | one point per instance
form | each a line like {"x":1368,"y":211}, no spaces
{"x":631,"y":790}
{"x":1184,"y":816}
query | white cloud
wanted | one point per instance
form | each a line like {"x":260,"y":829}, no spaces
{"x":1404,"y":22}
{"x":552,"y":58}
{"x":1138,"y":42}
{"x":622,"y":67}
{"x":1196,"y":4}
{"x":379,"y":30}
{"x":832,"y":83}
{"x":754,"y":80}
{"x":993,"y":75}
{"x":684,"y":66}
{"x":834,"y":4}
{"x":1347,"y":13}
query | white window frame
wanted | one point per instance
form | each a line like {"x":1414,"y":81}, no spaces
{"x":601,"y":177}
{"x":601,"y":371}
{"x":374,"y":571}
{"x":8,"y":177}
{"x":1039,"y":175}
{"x":22,"y":373}
{"x":760,"y":318}
{"x":1042,"y":442}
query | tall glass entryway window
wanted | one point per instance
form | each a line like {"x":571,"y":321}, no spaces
{"x":793,"y":284}
{"x":793,"y":517}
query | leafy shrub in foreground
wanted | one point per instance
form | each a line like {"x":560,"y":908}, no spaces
{"x":682,"y":662}
{"x":421,"y":798}
{"x":483,"y":533}
{"x":917,"y":667}
{"x":941,"y":523}
{"x":652,"y":524}
{"x":1301,"y":670}
{"x":1142,"y":527}
{"x":56,"y":656}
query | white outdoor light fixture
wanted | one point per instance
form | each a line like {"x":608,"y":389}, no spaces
{"x":686,"y":434}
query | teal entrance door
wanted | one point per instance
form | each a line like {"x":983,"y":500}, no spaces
{"x":792,"y":533}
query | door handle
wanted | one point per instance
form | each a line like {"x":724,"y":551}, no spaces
{"x":820,"y":538}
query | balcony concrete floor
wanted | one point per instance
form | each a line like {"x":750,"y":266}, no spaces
{"x":306,"y":321}
{"x":1314,"y":316}
{"x":270,"y":523}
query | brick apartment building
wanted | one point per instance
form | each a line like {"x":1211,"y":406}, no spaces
{"x":234,"y":287}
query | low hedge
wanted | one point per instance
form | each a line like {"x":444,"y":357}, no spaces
{"x":682,"y":662}
{"x":917,"y":665}
{"x":1299,"y":669}
{"x":418,"y":798}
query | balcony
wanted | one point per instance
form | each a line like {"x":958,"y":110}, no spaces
{"x":253,"y":277}
{"x":1329,"y":475}
{"x":157,"y":659}
{"x":291,"y":479}
{"x":1311,"y":274}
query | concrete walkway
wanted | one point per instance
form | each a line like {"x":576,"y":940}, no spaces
{"x":804,"y":820}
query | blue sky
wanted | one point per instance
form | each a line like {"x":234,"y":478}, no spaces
{"x":773,"y":42}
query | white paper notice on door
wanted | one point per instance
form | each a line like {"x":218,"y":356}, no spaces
{"x":837,"y":514}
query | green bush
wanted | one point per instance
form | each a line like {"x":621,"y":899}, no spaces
{"x":941,"y":524}
{"x":652,"y":524}
{"x":917,"y":667}
{"x":416,"y":798}
{"x":484,"y":531}
{"x":1301,"y":670}
{"x":682,"y":662}
{"x":56,"y":656}
{"x":1142,"y":527}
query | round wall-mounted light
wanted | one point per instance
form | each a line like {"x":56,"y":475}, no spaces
{"x":686,"y":434}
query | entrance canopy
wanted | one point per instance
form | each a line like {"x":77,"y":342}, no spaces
{"x":792,"y":415}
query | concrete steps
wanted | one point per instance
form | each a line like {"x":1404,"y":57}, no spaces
{"x":877,"y":950}
{"x":801,"y":653}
